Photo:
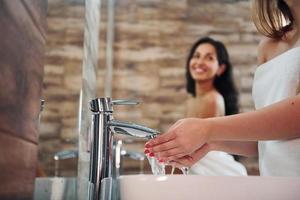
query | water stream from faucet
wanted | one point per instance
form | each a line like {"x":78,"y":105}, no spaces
{"x":158,"y":168}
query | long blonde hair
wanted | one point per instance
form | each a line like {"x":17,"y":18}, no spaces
{"x":272,"y":18}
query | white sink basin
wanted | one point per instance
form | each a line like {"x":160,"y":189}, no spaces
{"x":193,"y":187}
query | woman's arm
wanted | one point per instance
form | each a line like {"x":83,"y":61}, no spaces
{"x":238,"y":148}
{"x":274,"y":122}
{"x":278,"y":121}
{"x":248,"y":149}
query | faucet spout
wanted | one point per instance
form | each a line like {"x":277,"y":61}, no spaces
{"x":131,"y":129}
{"x":103,"y":126}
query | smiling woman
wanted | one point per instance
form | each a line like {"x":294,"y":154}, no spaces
{"x":208,"y":67}
{"x":210,"y":82}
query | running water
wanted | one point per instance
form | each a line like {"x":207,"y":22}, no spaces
{"x":173,"y":169}
{"x":158,"y":168}
{"x":185,"y":170}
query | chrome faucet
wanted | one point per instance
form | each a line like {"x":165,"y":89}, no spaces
{"x":102,"y":169}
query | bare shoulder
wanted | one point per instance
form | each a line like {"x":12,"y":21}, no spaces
{"x":215,"y":102}
{"x":214,"y":99}
{"x":190,"y":104}
{"x":210,"y":104}
{"x":190,"y":101}
{"x":266,"y":49}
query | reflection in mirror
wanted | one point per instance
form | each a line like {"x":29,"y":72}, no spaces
{"x":149,"y":45}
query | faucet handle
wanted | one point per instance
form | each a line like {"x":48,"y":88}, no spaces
{"x":125,"y":102}
{"x":106,"y":104}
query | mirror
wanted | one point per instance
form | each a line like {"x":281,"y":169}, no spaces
{"x":149,"y":42}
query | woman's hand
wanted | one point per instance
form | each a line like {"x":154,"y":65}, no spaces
{"x":189,"y":160}
{"x":182,"y":139}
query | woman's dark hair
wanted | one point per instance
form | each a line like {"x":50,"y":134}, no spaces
{"x":223,"y":83}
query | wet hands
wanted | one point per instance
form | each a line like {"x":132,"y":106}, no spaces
{"x":184,"y":143}
{"x":190,"y":160}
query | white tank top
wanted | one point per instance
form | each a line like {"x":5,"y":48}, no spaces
{"x":274,"y":81}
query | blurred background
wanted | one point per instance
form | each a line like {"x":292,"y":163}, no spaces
{"x":143,"y":46}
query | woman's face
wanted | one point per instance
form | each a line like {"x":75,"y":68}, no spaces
{"x":204,"y":64}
